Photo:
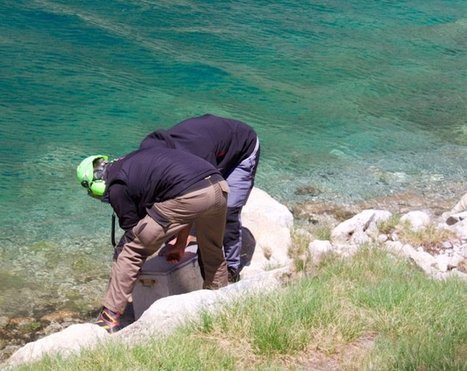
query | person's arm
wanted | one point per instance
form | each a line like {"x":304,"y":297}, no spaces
{"x":176,"y":250}
{"x":126,"y":211}
{"x":124,"y":206}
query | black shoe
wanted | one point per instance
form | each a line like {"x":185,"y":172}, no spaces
{"x":109,"y":320}
{"x":233,"y":275}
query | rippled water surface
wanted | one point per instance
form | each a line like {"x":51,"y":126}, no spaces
{"x":354,"y":98}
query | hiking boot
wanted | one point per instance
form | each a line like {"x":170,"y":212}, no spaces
{"x":109,"y":320}
{"x":233,"y":275}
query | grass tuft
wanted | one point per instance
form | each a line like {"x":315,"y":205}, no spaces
{"x":389,"y":225}
{"x":298,"y":250}
{"x":430,"y":237}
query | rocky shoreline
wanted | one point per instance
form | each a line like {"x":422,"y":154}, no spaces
{"x":15,"y":332}
{"x":432,"y":235}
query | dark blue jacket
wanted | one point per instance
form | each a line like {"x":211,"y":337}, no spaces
{"x":138,"y":180}
{"x":222,"y":142}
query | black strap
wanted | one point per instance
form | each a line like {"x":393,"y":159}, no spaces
{"x":112,"y":233}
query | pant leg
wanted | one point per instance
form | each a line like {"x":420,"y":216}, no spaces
{"x":205,"y":207}
{"x":241,"y":182}
{"x":210,"y":232}
{"x":233,"y":237}
{"x":148,"y":238}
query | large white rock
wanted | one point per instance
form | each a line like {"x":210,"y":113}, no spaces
{"x":64,"y":343}
{"x":319,"y":248}
{"x":457,"y":213}
{"x":461,"y":205}
{"x":417,"y":219}
{"x":460,"y":229}
{"x":359,"y":228}
{"x":270,"y":222}
{"x":162,"y":317}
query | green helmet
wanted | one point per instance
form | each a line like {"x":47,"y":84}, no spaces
{"x":85,"y":173}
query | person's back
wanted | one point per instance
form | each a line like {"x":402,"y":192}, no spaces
{"x":137,"y":180}
{"x":222,"y":141}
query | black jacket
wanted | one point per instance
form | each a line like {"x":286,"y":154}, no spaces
{"x":138,"y":180}
{"x":222,"y":142}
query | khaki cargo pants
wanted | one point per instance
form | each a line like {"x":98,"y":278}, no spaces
{"x":206,"y":208}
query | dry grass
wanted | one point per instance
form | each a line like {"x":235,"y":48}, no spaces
{"x":429,"y":238}
{"x":298,"y":251}
{"x":388,"y":226}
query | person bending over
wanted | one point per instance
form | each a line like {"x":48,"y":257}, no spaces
{"x":157,"y":193}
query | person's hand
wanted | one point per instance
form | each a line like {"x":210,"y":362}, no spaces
{"x":173,"y":253}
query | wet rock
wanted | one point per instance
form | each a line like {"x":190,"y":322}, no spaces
{"x":60,"y":316}
{"x":4,"y":321}
{"x":321,"y":213}
{"x":53,"y":327}
{"x":404,"y":202}
{"x":7,"y":351}
{"x":18,"y":331}
{"x":24,"y":324}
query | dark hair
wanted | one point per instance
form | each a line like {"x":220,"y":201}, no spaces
{"x":99,"y":165}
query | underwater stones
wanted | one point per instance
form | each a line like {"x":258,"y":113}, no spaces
{"x":60,"y":316}
{"x":404,"y":202}
{"x":7,"y":351}
{"x":321,"y":212}
{"x":3,"y":321}
{"x":307,"y":190}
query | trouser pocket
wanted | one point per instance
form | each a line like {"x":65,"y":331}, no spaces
{"x":159,"y":218}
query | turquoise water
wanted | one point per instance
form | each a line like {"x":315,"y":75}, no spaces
{"x":357,"y":98}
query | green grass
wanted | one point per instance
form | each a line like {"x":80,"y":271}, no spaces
{"x":369,"y":312}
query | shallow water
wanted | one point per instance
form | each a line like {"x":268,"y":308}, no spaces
{"x":357,"y":99}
